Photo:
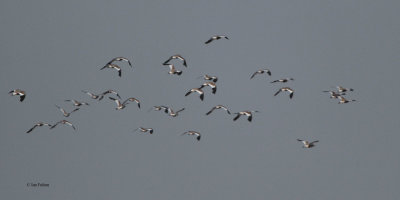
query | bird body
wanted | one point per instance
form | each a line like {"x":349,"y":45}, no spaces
{"x":65,"y":113}
{"x":284,"y":80}
{"x":211,"y":85}
{"x":307,"y":144}
{"x":63,"y":122}
{"x":195,"y":133}
{"x":177,"y":56}
{"x":249,"y":115}
{"x":113,"y":66}
{"x":285,"y":89}
{"x":261,"y":71}
{"x":217,"y":37}
{"x":198,"y":90}
{"x":18,"y":92}
{"x":122,"y":105}
{"x":38,"y":124}
{"x":218,"y":107}
{"x":121,"y":59}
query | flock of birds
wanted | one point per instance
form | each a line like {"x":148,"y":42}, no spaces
{"x":211,"y":81}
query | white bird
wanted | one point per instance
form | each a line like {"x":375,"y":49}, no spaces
{"x":108,"y":92}
{"x":76,"y":103}
{"x":211,"y":85}
{"x":38,"y":124}
{"x":144,"y":130}
{"x":126,"y":102}
{"x":307,"y":144}
{"x":172,"y":69}
{"x":284,"y":80}
{"x":193,"y":133}
{"x":249,"y":115}
{"x":121,"y":59}
{"x":344,"y":100}
{"x":217,"y":37}
{"x":113,"y":66}
{"x":63,"y":122}
{"x":18,"y":92}
{"x":334,"y":94}
{"x":93,"y":96}
{"x":198,"y":90}
{"x":65,"y":113}
{"x":172,"y":113}
{"x":287,"y":89}
{"x":261,"y":71}
{"x":218,"y":107}
{"x":209,"y":78}
{"x":177,"y":56}
{"x":342,"y":89}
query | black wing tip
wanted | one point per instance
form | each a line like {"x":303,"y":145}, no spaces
{"x":202,"y":97}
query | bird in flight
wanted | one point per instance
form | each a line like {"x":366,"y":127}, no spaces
{"x":177,"y":56}
{"x":109,"y":92}
{"x":193,"y":133}
{"x":284,"y":80}
{"x":344,"y":100}
{"x":307,"y":144}
{"x":261,"y":71}
{"x":63,"y":122}
{"x":172,"y":113}
{"x":18,"y":92}
{"x":113,"y":66}
{"x":285,"y":89}
{"x":65,"y":113}
{"x":144,"y":130}
{"x":211,"y":85}
{"x":198,"y":90}
{"x":334,"y":94}
{"x":126,"y":102}
{"x":172,"y":69}
{"x":217,"y":37}
{"x":218,"y":107}
{"x":249,"y":115}
{"x":93,"y":96}
{"x":76,"y":103}
{"x":209,"y":78}
{"x":38,"y":124}
{"x":342,"y":89}
{"x":121,"y":59}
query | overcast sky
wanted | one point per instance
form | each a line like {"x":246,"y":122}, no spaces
{"x":54,"y":49}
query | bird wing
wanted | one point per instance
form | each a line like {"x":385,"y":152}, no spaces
{"x":208,"y":41}
{"x":30,"y":130}
{"x":277,"y":92}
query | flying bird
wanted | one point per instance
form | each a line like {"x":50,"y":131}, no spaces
{"x":198,"y":90}
{"x":65,"y":113}
{"x":261,"y":71}
{"x":209,"y":78}
{"x":126,"y":102}
{"x":177,"y":56}
{"x":342,"y":89}
{"x":113,"y":66}
{"x":63,"y":122}
{"x":158,"y":108}
{"x":193,"y":133}
{"x":109,"y":92}
{"x":93,"y":96}
{"x":172,"y":69}
{"x":172,"y":113}
{"x":211,"y":85}
{"x":121,"y":59}
{"x":334,"y":94}
{"x":217,"y":37}
{"x":144,"y":130}
{"x":38,"y":124}
{"x":218,"y":107}
{"x":18,"y":92}
{"x":284,"y":80}
{"x":249,"y":115}
{"x":307,"y":144}
{"x":285,"y":89}
{"x":344,"y":100}
{"x":76,"y":103}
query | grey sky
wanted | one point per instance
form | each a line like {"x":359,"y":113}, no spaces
{"x":53,"y":50}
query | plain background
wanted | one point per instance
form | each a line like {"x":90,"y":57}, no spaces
{"x":54,"y":49}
